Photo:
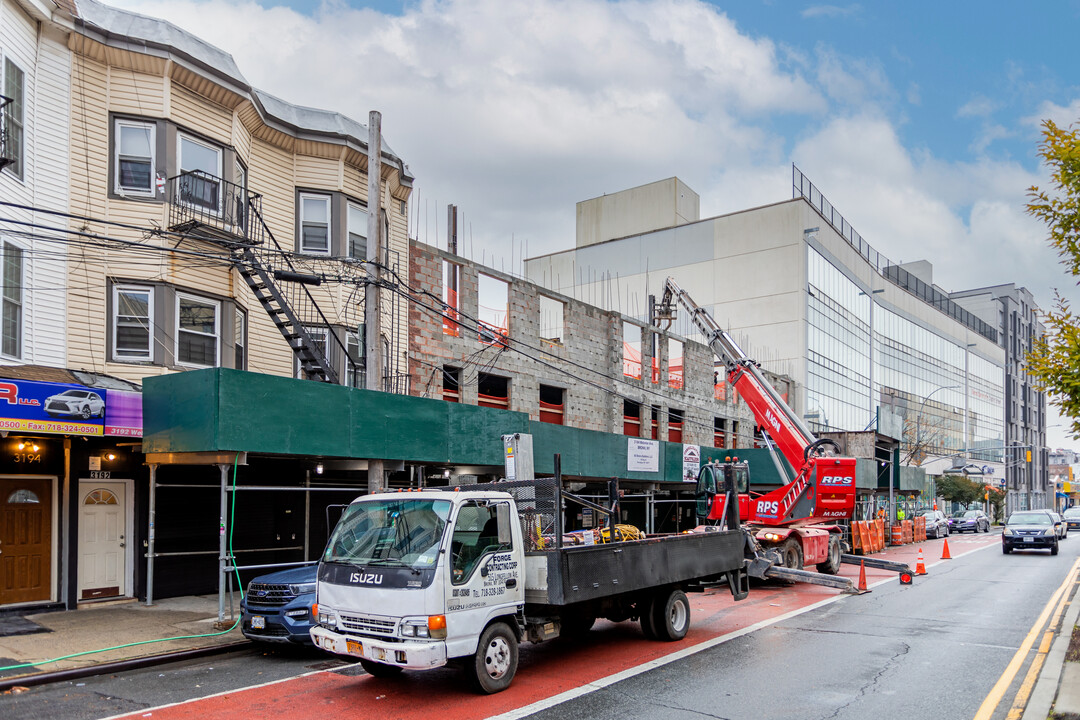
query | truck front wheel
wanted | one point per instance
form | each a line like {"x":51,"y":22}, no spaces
{"x":831,"y":566}
{"x":671,"y":616}
{"x":496,"y":660}
{"x":791,"y":554}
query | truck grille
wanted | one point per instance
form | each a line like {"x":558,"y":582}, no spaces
{"x":368,"y":624}
{"x":269,"y":595}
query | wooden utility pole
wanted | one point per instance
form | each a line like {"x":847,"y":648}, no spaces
{"x":373,"y":359}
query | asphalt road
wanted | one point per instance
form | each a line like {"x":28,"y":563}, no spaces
{"x":933,"y":649}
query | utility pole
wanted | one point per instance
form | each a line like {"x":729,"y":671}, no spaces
{"x":373,"y":360}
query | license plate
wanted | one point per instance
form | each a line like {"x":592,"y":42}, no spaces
{"x":258,"y":622}
{"x":354,"y":648}
{"x":1029,"y":539}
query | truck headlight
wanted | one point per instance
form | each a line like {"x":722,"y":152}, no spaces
{"x":326,"y":616}
{"x":433,"y":626}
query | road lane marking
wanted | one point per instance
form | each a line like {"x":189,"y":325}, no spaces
{"x":989,"y":705}
{"x":1023,"y":694}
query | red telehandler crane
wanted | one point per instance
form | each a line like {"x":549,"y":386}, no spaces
{"x":795,"y":522}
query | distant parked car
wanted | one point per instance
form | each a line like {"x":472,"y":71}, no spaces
{"x":973,"y":520}
{"x":1060,"y":526}
{"x":1029,"y":530}
{"x":277,"y":607}
{"x":83,"y":403}
{"x":937,"y":525}
{"x":1072,"y":517}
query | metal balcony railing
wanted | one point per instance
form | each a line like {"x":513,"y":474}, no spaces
{"x":213,"y":208}
{"x":7,"y":153}
{"x":802,"y":187}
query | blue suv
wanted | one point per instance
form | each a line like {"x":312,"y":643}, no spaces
{"x":277,"y":607}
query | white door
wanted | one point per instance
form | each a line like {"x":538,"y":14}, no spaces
{"x":103,"y":530}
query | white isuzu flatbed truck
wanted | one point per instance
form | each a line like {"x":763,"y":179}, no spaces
{"x":417,"y":580}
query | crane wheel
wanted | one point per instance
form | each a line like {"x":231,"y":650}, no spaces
{"x":831,"y":566}
{"x":791,"y":554}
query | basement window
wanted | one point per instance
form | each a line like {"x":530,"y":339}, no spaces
{"x":493,"y":391}
{"x":631,"y":418}
{"x":552,"y":405}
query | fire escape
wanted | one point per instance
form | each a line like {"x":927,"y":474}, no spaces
{"x":211,"y":209}
{"x":7,"y":153}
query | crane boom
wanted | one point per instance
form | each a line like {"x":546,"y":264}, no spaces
{"x":810,"y":497}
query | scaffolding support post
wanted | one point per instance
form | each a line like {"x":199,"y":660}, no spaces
{"x":222,"y":546}
{"x":150,"y":536}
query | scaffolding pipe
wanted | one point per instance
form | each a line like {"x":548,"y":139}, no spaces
{"x":222,"y":539}
{"x":150,"y":537}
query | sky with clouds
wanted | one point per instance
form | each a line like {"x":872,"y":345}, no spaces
{"x":919,"y":121}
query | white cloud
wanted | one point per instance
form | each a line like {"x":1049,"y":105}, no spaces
{"x":516,"y":111}
{"x":979,"y":106}
{"x":1063,"y":116}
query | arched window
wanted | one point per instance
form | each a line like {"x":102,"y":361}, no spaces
{"x":100,"y":496}
{"x":23,"y":496}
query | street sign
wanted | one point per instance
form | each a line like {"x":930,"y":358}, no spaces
{"x":1002,"y":482}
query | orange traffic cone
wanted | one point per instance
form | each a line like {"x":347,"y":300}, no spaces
{"x":862,"y":576}
{"x":945,"y":551}
{"x":920,"y":568}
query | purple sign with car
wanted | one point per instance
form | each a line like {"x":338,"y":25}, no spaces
{"x":69,"y":409}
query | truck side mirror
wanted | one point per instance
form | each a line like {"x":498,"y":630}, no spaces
{"x":502,"y":512}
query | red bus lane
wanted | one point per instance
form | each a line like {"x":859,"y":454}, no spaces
{"x":545,"y":670}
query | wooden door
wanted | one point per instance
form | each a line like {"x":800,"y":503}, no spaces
{"x":25,"y":540}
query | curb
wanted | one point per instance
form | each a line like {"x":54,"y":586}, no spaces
{"x":44,"y":678}
{"x":1046,"y":687}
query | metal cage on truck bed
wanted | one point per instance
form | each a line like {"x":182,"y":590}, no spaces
{"x":558,"y":573}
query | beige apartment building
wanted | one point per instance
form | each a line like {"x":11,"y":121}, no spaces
{"x":176,"y":164}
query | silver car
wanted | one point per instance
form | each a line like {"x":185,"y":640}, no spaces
{"x":75,"y":403}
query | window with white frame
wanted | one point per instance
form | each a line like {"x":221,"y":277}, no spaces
{"x":134,"y":146}
{"x":240,"y":340}
{"x":202,"y":162}
{"x":197,"y":331}
{"x":14,"y":113}
{"x":358,"y":229}
{"x":11,"y":316}
{"x":133,"y":323}
{"x":315,"y":224}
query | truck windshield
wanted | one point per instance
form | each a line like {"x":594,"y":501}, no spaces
{"x":395,"y":533}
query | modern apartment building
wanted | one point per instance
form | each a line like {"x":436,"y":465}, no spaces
{"x":1012,"y":310}
{"x":867,"y":342}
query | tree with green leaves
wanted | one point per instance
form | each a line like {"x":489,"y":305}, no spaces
{"x":1055,"y":358}
{"x":960,"y":489}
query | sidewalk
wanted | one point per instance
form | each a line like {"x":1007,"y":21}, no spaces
{"x":1057,"y":692}
{"x":37,"y":638}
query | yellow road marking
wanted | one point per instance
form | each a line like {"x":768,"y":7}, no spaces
{"x":989,"y":705}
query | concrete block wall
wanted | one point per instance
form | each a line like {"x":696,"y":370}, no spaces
{"x":591,"y":354}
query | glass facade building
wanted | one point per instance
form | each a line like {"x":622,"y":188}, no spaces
{"x":862,"y":356}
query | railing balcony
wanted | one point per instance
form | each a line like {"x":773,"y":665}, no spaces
{"x":7,"y":153}
{"x":214,"y":209}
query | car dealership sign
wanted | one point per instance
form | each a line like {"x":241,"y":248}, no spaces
{"x":69,"y":409}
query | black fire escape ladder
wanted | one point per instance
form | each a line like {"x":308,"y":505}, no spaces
{"x":211,"y":209}
{"x":294,"y":311}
